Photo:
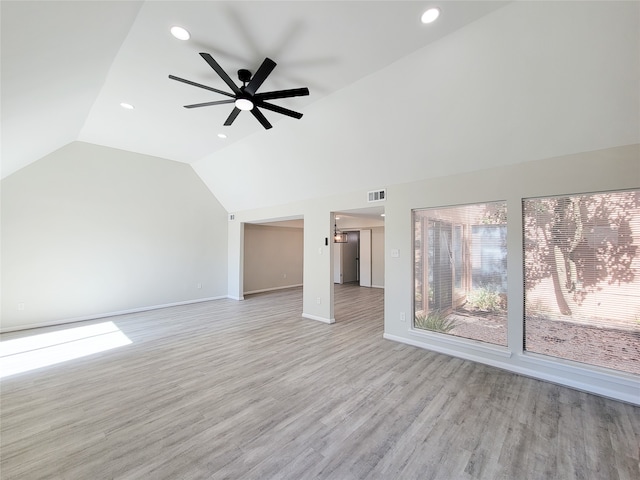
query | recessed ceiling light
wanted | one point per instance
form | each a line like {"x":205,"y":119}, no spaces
{"x":430,"y":15}
{"x":222,"y":135}
{"x":180,"y":33}
{"x":382,"y":214}
{"x":128,"y":106}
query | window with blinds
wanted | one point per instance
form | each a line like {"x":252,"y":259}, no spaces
{"x":582,"y":278}
{"x":460,"y":271}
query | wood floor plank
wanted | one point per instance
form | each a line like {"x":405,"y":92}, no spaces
{"x":250,"y":389}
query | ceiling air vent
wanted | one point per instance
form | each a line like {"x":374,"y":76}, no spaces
{"x":377,"y":195}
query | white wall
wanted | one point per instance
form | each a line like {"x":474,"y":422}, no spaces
{"x":543,"y":93}
{"x":531,"y":80}
{"x":610,"y":169}
{"x":337,"y":263}
{"x":537,"y":98}
{"x":377,"y":257}
{"x":90,"y":230}
{"x":272,"y":257}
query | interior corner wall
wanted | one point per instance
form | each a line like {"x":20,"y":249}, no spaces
{"x":89,"y":231}
{"x":615,"y":168}
{"x":377,"y":257}
{"x":272,"y":257}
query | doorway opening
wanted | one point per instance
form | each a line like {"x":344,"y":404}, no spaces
{"x":273,"y":255}
{"x":359,"y":262}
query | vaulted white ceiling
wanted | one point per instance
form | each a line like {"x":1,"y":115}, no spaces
{"x":392,"y":100}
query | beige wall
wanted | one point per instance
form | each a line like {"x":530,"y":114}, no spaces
{"x":90,"y":230}
{"x":272,"y":257}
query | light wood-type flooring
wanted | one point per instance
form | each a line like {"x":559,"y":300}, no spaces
{"x":251,"y":390}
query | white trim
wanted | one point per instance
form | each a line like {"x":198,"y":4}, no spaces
{"x":471,"y":344}
{"x":608,"y":385}
{"x":320,"y":319}
{"x":104,"y":315}
{"x":615,"y":385}
{"x":377,"y":286}
{"x":273,"y":289}
{"x":452,"y":352}
{"x":234,"y":298}
{"x":592,"y":371}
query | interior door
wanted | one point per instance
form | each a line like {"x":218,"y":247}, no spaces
{"x":350,"y":258}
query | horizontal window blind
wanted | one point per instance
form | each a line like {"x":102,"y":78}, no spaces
{"x":582,"y":278}
{"x":460,"y":271}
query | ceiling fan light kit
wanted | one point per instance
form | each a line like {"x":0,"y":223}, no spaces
{"x":244,"y":104}
{"x":245,"y":97}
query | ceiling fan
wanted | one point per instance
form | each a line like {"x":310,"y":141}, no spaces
{"x":245,"y":97}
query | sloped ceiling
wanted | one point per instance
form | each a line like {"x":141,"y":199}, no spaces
{"x":391,"y":100}
{"x":55,"y":58}
{"x":66,"y":66}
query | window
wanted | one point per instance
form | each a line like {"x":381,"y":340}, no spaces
{"x":460,"y":270}
{"x":582,"y":278}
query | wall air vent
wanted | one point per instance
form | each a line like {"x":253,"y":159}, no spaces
{"x":232,"y":216}
{"x":377,"y":195}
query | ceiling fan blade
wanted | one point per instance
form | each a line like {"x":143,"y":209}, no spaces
{"x":206,"y":104}
{"x":293,"y":92}
{"x":232,"y":117}
{"x":260,"y":76}
{"x":223,"y":75}
{"x":279,"y":109}
{"x":189,"y":82}
{"x":261,"y":118}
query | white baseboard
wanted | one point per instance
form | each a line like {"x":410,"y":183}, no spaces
{"x":377,"y":286}
{"x":234,"y":298}
{"x":104,"y":315}
{"x":273,"y":289}
{"x":619,"y":386}
{"x":319,"y":319}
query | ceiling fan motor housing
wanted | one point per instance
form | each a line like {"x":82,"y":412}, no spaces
{"x":244,"y":75}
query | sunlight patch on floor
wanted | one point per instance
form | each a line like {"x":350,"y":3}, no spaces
{"x":37,"y":351}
